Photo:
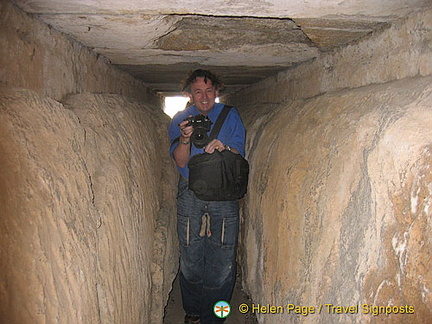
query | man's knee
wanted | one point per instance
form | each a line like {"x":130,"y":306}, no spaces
{"x":220,"y":275}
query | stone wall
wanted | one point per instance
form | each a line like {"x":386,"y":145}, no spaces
{"x":338,"y":207}
{"x":399,"y":51}
{"x":87,"y":202}
{"x":37,"y":57}
{"x":338,"y":210}
{"x":86,"y":193}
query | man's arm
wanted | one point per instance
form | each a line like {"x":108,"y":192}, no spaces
{"x":181,"y":153}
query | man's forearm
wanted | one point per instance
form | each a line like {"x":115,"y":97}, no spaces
{"x":182,"y":152}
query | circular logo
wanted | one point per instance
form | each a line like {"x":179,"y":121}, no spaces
{"x":221,"y":309}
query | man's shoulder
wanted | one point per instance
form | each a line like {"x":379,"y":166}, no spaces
{"x":218,"y":107}
{"x":233,"y":113}
{"x":231,"y":108}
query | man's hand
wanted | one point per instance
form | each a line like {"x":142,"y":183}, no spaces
{"x":214,"y":145}
{"x":186,"y":131}
{"x":218,"y":145}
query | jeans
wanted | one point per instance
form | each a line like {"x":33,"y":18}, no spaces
{"x":207,"y":232}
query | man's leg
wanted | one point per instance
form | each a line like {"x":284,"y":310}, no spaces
{"x":189,"y":214}
{"x":220,"y":257}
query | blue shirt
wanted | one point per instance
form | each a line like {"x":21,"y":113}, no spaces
{"x":232,"y":132}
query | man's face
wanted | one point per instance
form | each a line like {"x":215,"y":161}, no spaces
{"x":203,"y":95}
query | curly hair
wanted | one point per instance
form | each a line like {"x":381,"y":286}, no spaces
{"x":206,"y":74}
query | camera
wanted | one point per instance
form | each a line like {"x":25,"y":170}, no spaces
{"x":201,"y":125}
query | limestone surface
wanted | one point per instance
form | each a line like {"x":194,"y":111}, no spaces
{"x":159,"y":42}
{"x":338,"y":209}
{"x":87,"y":203}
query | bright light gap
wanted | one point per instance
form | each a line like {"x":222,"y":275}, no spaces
{"x":173,"y":104}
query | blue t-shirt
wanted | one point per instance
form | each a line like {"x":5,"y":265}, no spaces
{"x":232,"y":132}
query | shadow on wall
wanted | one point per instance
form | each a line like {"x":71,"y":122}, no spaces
{"x":86,"y":197}
{"x":338,"y":208}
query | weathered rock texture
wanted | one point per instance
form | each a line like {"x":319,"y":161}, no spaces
{"x":87,"y":201}
{"x":401,"y":51}
{"x":246,"y":40}
{"x":37,"y":57}
{"x":338,"y":210}
{"x":338,"y":207}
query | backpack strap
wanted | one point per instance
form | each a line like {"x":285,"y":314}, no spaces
{"x":219,"y":122}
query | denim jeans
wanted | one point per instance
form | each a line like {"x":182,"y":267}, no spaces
{"x":207,"y":232}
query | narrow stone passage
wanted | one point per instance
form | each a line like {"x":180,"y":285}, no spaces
{"x":174,"y":313}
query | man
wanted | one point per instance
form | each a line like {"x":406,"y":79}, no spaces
{"x":207,"y":230}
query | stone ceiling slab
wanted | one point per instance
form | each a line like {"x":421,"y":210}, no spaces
{"x":243,"y":40}
{"x":329,"y":33}
{"x":113,"y":31}
{"x":222,"y":33}
{"x":239,"y":8}
{"x":167,"y":78}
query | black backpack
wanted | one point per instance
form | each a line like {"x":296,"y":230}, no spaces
{"x":220,"y":175}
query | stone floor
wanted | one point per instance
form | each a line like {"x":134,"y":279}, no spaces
{"x":174,"y":313}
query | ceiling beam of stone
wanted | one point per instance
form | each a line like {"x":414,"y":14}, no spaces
{"x":257,"y":8}
{"x":245,"y":41}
